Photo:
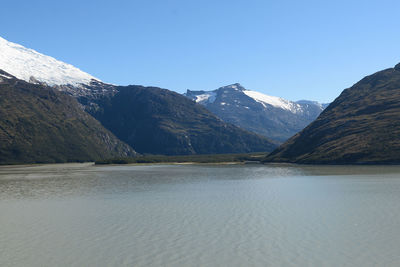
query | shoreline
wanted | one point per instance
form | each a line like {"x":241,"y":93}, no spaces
{"x":272,"y":164}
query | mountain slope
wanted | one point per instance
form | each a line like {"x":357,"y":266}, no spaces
{"x":266,"y":115}
{"x":39,"y":124}
{"x":361,"y":126}
{"x":160,"y":121}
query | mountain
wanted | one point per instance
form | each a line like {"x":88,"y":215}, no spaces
{"x":361,"y":126}
{"x":33,"y":67}
{"x":149,"y":119}
{"x":270,"y":116}
{"x":40,"y":124}
{"x":159,"y":121}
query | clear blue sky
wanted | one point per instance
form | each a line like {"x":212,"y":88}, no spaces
{"x":293,"y":49}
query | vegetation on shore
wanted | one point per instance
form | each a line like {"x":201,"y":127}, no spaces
{"x":210,"y":158}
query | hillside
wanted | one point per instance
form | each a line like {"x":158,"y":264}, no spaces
{"x":40,"y":124}
{"x":361,"y":126}
{"x":159,"y":121}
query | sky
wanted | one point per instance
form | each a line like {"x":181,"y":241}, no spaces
{"x":291,"y":49}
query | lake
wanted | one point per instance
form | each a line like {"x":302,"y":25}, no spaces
{"x":199,"y":215}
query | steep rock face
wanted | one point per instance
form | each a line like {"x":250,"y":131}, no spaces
{"x":361,"y":126}
{"x":40,"y":124}
{"x":270,"y":116}
{"x":159,"y":121}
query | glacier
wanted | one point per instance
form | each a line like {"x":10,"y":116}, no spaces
{"x":31,"y":66}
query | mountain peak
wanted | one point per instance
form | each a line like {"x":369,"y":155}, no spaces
{"x":235,"y":86}
{"x":31,"y":66}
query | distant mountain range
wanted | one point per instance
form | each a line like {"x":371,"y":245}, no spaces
{"x":149,"y":120}
{"x":362,"y":126}
{"x":270,"y":116}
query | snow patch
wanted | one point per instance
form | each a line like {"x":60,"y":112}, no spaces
{"x":25,"y":63}
{"x":273,"y":101}
{"x":309,"y":102}
{"x":5,"y":76}
{"x":208,"y":97}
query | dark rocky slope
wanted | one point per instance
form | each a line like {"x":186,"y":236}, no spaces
{"x":40,"y":124}
{"x":159,"y":121}
{"x":361,"y":126}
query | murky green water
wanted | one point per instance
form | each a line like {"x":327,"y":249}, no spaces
{"x":191,"y":215}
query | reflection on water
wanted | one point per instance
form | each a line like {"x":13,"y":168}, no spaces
{"x":202,"y":215}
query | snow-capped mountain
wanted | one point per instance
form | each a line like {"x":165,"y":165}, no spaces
{"x":28,"y":65}
{"x":33,"y":67}
{"x":271,"y":116}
